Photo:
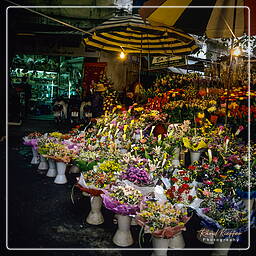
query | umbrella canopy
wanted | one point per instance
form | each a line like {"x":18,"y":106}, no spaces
{"x":133,"y":35}
{"x":214,"y":22}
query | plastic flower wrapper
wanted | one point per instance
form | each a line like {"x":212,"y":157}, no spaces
{"x":102,"y":176}
{"x":161,"y":218}
{"x":195,"y":142}
{"x":122,"y":199}
{"x":223,"y":213}
{"x":32,"y":139}
{"x":241,"y":181}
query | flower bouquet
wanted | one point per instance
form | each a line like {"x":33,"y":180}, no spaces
{"x":162,"y":219}
{"x":57,"y":151}
{"x":32,"y":139}
{"x":122,"y":199}
{"x":182,"y":190}
{"x":101,"y":177}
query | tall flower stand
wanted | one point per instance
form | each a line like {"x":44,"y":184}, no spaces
{"x":123,"y":235}
{"x":160,"y":243}
{"x":43,"y":164}
{"x":246,"y":202}
{"x":61,"y":177}
{"x":221,"y":244}
{"x":74,"y":169}
{"x":177,"y":242}
{"x":194,"y":156}
{"x":35,"y":158}
{"x":176,"y":160}
{"x":95,"y":216}
{"x":52,"y":171}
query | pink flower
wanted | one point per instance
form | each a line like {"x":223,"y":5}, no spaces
{"x":206,"y":193}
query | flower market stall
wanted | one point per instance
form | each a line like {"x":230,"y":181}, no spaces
{"x":162,"y":161}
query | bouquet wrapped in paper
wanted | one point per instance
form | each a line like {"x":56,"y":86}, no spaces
{"x":161,"y":218}
{"x":32,"y":139}
{"x":224,"y":213}
{"x":102,"y":176}
{"x":122,"y":200}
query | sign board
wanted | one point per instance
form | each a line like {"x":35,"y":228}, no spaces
{"x":157,"y":62}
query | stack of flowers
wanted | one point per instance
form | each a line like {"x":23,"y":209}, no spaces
{"x":57,"y":151}
{"x":196,"y":140}
{"x":162,"y":219}
{"x":223,"y":213}
{"x":137,"y":176}
{"x":32,"y":139}
{"x":122,"y":199}
{"x":182,"y":190}
{"x":102,"y":176}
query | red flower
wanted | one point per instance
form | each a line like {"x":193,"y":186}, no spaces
{"x":185,"y":186}
{"x":205,"y":166}
{"x":186,"y":178}
{"x":190,"y":197}
{"x":192,"y":167}
{"x":174,"y":179}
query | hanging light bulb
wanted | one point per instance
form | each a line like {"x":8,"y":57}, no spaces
{"x":122,"y":55}
{"x":236,"y":51}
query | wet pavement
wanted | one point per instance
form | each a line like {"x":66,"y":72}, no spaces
{"x":41,"y":214}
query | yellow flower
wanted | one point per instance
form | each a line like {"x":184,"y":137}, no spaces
{"x":200,"y":115}
{"x":218,"y":190}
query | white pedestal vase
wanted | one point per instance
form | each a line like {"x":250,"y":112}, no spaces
{"x":159,"y":242}
{"x":52,"y":171}
{"x":35,"y":158}
{"x":61,"y":177}
{"x":222,"y":244}
{"x":43,"y":164}
{"x":74,"y":169}
{"x":85,"y":193}
{"x":194,"y":156}
{"x":95,"y":216}
{"x":206,"y":236}
{"x":176,"y":160}
{"x":123,"y":236}
{"x":177,"y":242}
{"x":246,"y":202}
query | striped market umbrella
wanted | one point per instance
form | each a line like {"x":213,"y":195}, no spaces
{"x":218,"y":22}
{"x":132,"y":35}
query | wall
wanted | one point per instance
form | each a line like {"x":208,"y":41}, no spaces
{"x":122,"y":73}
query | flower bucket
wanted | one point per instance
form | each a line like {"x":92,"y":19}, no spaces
{"x":221,"y":244}
{"x":123,"y":236}
{"x":206,"y":236}
{"x":176,"y":161}
{"x":74,"y":169}
{"x":35,"y":158}
{"x":177,"y":242}
{"x":95,"y":216}
{"x":52,"y":171}
{"x":160,"y":243}
{"x":194,"y":156}
{"x":43,"y":163}
{"x":61,"y":177}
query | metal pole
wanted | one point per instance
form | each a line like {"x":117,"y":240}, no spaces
{"x":230,"y":65}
